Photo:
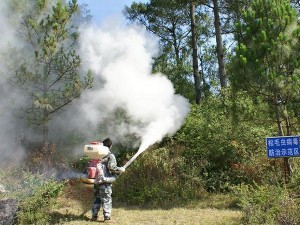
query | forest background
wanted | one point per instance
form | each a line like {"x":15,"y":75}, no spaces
{"x":236,"y":63}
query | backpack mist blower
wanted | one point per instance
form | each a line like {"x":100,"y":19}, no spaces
{"x":96,"y":151}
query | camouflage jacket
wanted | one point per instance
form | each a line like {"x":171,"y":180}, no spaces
{"x":107,"y":170}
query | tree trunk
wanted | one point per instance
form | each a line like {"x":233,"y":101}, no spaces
{"x":45,"y":130}
{"x":220,"y":53}
{"x":175,"y":45}
{"x":286,"y":164}
{"x":197,"y":78}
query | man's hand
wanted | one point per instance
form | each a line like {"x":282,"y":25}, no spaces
{"x":122,"y":169}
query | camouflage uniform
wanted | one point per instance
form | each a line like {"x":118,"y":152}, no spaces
{"x":103,"y":186}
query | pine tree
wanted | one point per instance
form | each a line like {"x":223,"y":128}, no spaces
{"x":50,"y":70}
{"x":266,"y":61}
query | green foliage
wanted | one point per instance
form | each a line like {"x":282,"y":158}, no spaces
{"x":158,"y":178}
{"x":170,"y":21}
{"x":294,"y":181}
{"x":267,"y":204}
{"x":80,"y":165}
{"x":266,"y":39}
{"x":49,"y":72}
{"x":266,"y":61}
{"x":224,"y":139}
{"x":37,"y":197}
{"x":35,"y":194}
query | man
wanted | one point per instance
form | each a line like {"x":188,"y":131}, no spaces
{"x":106,"y":173}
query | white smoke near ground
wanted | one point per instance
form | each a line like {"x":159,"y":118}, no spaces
{"x":121,"y":58}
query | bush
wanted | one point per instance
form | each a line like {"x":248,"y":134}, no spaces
{"x":158,"y":178}
{"x":34,"y":193}
{"x":294,"y":182}
{"x":269,"y":204}
{"x":226,"y":141}
{"x":36,"y":198}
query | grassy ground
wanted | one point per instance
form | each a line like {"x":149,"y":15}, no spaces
{"x":75,"y":204}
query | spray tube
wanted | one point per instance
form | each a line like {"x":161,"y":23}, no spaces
{"x":132,"y":159}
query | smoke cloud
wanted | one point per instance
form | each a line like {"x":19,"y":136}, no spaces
{"x":121,"y":60}
{"x":127,"y":102}
{"x":11,"y":99}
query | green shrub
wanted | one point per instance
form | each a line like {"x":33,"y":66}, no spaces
{"x":158,"y":178}
{"x":289,"y":211}
{"x":268,"y":204}
{"x":81,"y":163}
{"x":36,"y":198}
{"x":225,"y":140}
{"x":35,"y":194}
{"x":294,"y":182}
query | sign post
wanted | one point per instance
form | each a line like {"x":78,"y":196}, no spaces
{"x":283,"y":147}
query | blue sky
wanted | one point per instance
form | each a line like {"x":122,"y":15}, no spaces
{"x":105,"y":9}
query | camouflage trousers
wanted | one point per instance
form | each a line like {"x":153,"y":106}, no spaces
{"x":102,"y":198}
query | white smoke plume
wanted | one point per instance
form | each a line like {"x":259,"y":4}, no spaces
{"x":11,"y":99}
{"x":121,"y":60}
{"x":126,"y":99}
{"x":14,"y":99}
